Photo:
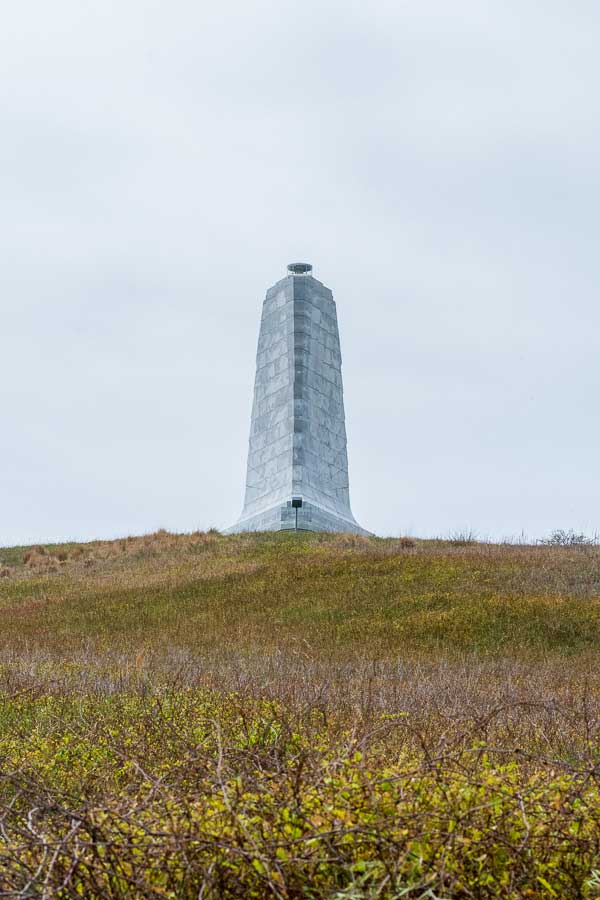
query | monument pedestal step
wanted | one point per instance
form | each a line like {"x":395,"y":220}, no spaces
{"x":282,"y":517}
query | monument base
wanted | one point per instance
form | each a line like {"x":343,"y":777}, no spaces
{"x":311,"y":517}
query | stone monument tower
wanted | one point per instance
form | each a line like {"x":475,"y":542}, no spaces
{"x":297,"y":460}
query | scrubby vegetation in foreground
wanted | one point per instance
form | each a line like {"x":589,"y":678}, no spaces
{"x":299,"y":717}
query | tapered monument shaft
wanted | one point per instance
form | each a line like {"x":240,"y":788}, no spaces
{"x":297,"y":457}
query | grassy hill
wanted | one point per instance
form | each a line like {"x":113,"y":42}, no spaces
{"x":299,"y":716}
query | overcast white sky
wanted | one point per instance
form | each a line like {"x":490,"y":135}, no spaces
{"x":162,"y":162}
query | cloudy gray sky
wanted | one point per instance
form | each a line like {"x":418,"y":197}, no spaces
{"x":161,"y":163}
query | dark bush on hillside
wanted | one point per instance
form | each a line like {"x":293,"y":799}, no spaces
{"x":560,"y":538}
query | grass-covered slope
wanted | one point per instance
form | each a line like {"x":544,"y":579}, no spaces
{"x":299,"y":716}
{"x":335,"y":595}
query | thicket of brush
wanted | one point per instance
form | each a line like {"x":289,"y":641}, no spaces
{"x":299,"y":717}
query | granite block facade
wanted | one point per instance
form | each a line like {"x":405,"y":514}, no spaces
{"x":297,"y":441}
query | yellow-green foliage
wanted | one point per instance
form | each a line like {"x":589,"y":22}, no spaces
{"x":314,"y":717}
{"x":193,"y":794}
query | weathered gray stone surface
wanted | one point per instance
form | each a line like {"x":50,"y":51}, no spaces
{"x":298,"y":434}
